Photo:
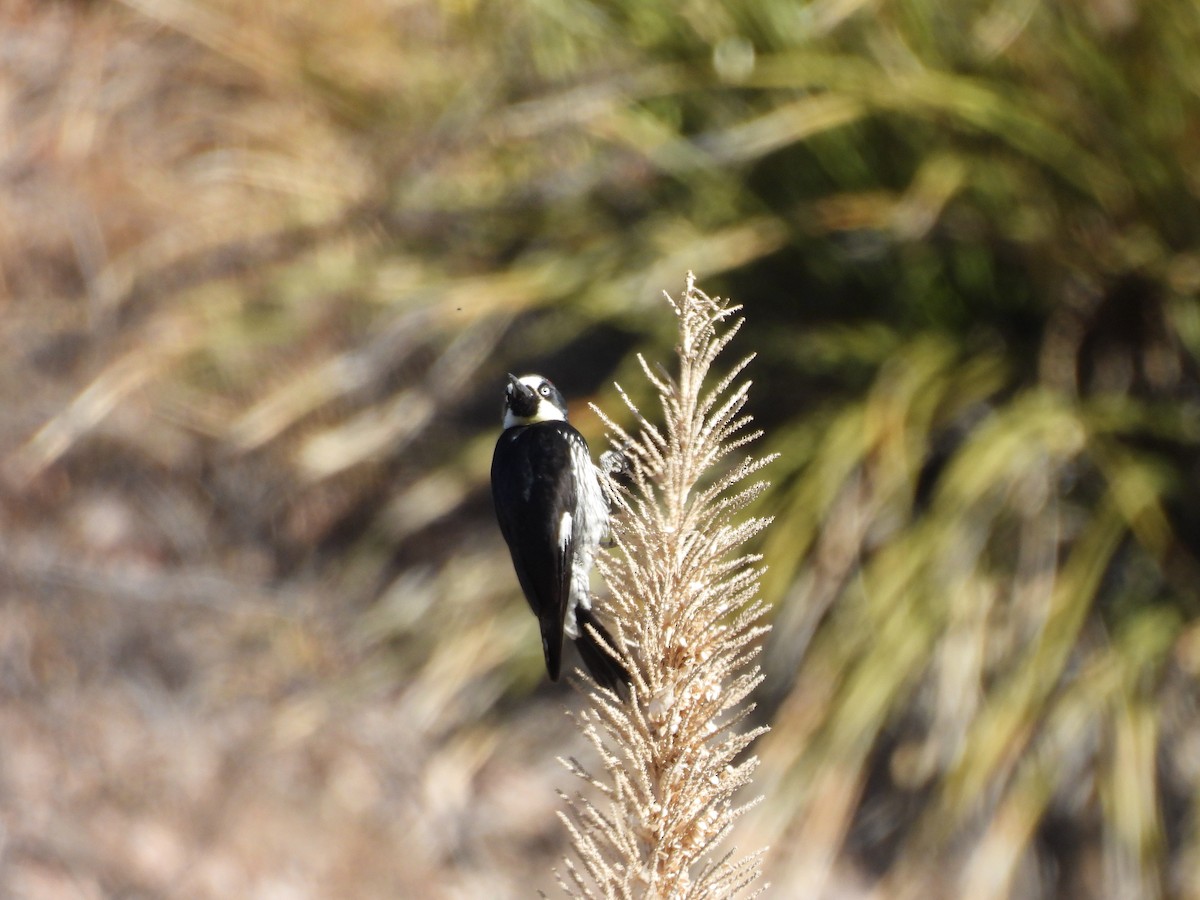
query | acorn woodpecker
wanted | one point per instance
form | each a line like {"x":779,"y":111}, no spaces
{"x":553,"y":516}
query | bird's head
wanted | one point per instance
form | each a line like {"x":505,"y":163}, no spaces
{"x":530,"y":399}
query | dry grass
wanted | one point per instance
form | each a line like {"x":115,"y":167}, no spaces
{"x":684,"y":595}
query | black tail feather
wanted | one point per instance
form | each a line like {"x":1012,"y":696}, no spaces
{"x":608,"y":671}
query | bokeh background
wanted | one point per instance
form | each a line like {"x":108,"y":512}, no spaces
{"x":263,"y":266}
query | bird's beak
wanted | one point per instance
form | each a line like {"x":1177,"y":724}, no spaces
{"x":520,"y":400}
{"x":517,"y":389}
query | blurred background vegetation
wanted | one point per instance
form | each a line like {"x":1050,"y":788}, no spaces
{"x":263,"y":267}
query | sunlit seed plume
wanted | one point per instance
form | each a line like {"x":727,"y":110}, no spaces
{"x":685,"y":610}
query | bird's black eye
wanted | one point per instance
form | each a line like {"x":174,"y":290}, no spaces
{"x":544,"y":390}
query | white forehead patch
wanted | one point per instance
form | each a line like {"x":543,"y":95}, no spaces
{"x":531,"y":381}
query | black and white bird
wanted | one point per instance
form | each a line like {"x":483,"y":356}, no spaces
{"x":553,"y":516}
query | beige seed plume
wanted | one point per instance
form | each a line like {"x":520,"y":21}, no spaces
{"x":684,"y":605}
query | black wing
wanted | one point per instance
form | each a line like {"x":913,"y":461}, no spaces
{"x":532,"y":487}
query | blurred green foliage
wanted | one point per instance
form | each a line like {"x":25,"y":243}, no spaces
{"x":967,"y":239}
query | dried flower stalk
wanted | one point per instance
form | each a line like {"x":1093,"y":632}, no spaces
{"x":686,"y":602}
